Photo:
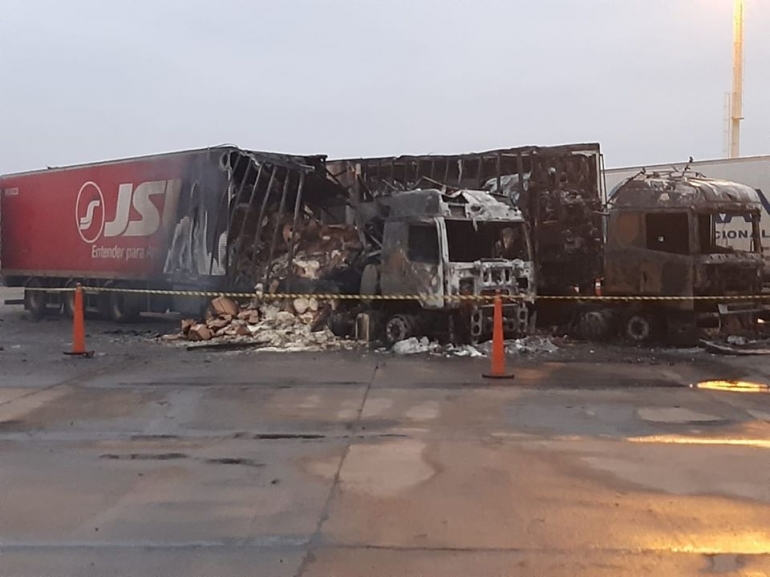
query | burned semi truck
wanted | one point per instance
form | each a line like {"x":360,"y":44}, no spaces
{"x":556,"y":199}
{"x":452,"y":252}
{"x":662,"y":241}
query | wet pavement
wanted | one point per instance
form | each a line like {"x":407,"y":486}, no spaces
{"x":149,"y":459}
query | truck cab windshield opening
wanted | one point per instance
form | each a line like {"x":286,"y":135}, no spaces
{"x":470,"y":242}
{"x":728,"y":233}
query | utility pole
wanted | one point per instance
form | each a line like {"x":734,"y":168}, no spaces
{"x":736,"y":98}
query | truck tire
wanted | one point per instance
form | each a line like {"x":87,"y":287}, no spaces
{"x":36,"y":302}
{"x":120,"y":307}
{"x":399,"y":328}
{"x":594,"y":325}
{"x":641,"y":328}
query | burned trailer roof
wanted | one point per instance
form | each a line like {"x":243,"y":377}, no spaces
{"x":317,"y":189}
{"x":371,"y":177}
{"x":225,"y":152}
{"x":462,"y":204}
{"x":677,"y":190}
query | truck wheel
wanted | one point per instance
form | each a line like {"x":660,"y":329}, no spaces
{"x":36,"y":302}
{"x":399,"y":328}
{"x":641,"y":328}
{"x":594,"y":325}
{"x":121,"y":307}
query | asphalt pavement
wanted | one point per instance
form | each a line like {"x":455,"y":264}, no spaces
{"x":152,"y":460}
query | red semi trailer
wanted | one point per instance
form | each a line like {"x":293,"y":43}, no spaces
{"x":169,"y":221}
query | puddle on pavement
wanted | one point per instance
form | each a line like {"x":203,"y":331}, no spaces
{"x":675,"y":415}
{"x":733,"y":386}
{"x":385,"y":469}
{"x":379,"y":470}
{"x":375,"y":407}
{"x":680,"y":477}
{"x":349,"y":411}
{"x":426,"y":411}
{"x":310,"y":402}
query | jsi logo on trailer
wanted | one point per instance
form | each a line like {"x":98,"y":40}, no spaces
{"x":136,"y":213}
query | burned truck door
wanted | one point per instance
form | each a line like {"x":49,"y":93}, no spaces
{"x":667,"y":269}
{"x":412,"y":263}
{"x":649,"y":253}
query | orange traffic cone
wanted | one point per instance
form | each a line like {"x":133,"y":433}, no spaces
{"x":499,"y":370}
{"x":79,"y":327}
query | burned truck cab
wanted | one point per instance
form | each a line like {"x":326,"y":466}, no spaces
{"x":664,"y":240}
{"x":449,"y":250}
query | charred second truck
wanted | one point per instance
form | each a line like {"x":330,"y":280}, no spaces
{"x":557,"y":189}
{"x":663,"y":241}
{"x":519,"y":221}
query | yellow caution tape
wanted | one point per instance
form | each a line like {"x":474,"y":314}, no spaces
{"x":355,"y":297}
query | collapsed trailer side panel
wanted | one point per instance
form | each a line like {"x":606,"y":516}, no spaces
{"x":114,"y":220}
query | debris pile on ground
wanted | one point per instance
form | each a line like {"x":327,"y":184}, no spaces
{"x":532,"y":345}
{"x":298,"y":325}
{"x":738,"y":346}
{"x":464,"y":351}
{"x":415,"y":346}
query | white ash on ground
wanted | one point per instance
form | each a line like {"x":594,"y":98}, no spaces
{"x":415,"y":346}
{"x":531,"y":345}
{"x":298,"y":325}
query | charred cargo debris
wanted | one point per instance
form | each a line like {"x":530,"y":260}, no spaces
{"x":296,"y":325}
{"x":278,"y":222}
{"x":285,"y":224}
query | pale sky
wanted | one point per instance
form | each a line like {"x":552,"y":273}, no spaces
{"x":87,"y":80}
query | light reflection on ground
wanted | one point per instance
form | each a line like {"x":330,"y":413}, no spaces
{"x":750,"y":543}
{"x":682,"y":440}
{"x":733,"y":386}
